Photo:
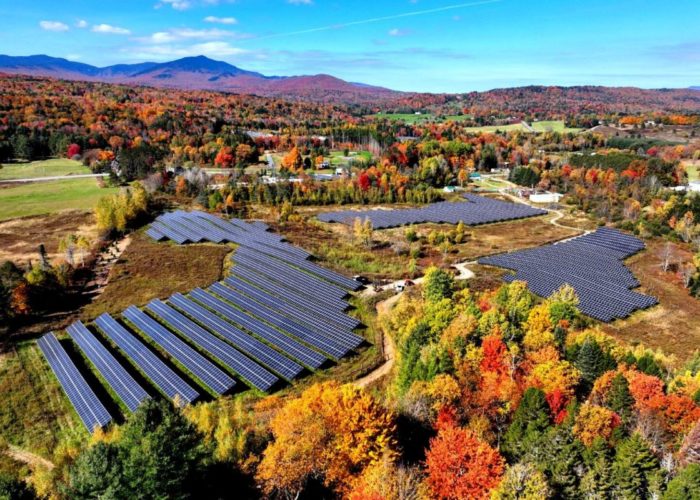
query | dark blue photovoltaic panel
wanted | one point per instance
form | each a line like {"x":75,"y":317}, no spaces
{"x":474,"y":211}
{"x":158,"y":372}
{"x":591,"y":264}
{"x":276,"y":338}
{"x":90,"y":410}
{"x":197,"y":364}
{"x":311,"y":318}
{"x":241,"y":340}
{"x":320,"y":342}
{"x":123,"y":384}
{"x":255,"y":374}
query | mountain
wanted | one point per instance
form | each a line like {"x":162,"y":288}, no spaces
{"x":199,"y":73}
{"x":697,"y":87}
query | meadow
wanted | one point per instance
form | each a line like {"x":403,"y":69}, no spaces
{"x":42,"y":168}
{"x":49,"y":197}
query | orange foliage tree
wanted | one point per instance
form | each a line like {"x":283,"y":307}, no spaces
{"x":332,"y":432}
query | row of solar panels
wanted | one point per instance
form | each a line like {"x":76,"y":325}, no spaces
{"x":591,"y":264}
{"x":476,"y":210}
{"x":260,"y":325}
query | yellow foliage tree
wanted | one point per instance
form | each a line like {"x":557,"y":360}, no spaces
{"x":333,"y":432}
{"x":539,"y":331}
{"x":593,"y":422}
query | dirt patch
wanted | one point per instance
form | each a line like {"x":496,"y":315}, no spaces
{"x":148,"y":270}
{"x":673,"y":325}
{"x":20,"y":238}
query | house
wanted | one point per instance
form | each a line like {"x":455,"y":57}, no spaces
{"x":546,"y":197}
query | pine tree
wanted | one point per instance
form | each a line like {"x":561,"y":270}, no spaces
{"x":530,"y":422}
{"x":633,"y":468}
{"x":685,"y":486}
{"x":597,"y":482}
{"x":561,"y":459}
{"x":592,"y":362}
{"x":620,"y":399}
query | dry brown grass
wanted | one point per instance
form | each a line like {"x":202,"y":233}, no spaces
{"x":20,"y":238}
{"x":148,"y":270}
{"x":672,"y":326}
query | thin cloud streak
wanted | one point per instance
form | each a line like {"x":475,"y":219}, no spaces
{"x":377,"y":19}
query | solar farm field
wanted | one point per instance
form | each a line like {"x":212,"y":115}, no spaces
{"x":591,"y":264}
{"x":275,"y":318}
{"x":474,"y":211}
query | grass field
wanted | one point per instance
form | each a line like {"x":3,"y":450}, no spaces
{"x":404,"y":117}
{"x":50,"y":197}
{"x":147,"y":270}
{"x":44,"y":168}
{"x":692,"y":168}
{"x":539,"y":127}
{"x":34,"y":414}
{"x":671,"y":326}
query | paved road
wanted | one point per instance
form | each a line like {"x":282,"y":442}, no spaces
{"x":52,"y":178}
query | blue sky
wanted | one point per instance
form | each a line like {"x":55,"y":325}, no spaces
{"x":418,"y":45}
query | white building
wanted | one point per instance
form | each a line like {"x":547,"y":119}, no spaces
{"x":545,"y":197}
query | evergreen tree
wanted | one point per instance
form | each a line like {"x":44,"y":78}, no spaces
{"x":530,"y":422}
{"x":15,"y":489}
{"x":592,"y":362}
{"x":685,"y":486}
{"x":597,"y":482}
{"x":620,"y":399}
{"x":561,"y":461}
{"x":633,"y":468}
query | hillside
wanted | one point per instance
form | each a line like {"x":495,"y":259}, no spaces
{"x":199,"y":73}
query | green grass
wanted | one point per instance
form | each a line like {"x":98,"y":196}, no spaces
{"x":495,"y":128}
{"x":693,"y":172}
{"x":34,"y":413}
{"x":44,"y":168}
{"x":40,"y":198}
{"x":553,"y":126}
{"x":404,"y":117}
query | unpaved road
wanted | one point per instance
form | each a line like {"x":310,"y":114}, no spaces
{"x":28,"y":457}
{"x":389,"y":350}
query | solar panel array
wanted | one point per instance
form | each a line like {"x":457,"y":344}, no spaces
{"x":592,"y":264}
{"x":277,"y":315}
{"x":90,"y":410}
{"x":472,"y":212}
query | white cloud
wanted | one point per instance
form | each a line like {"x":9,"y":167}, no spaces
{"x":53,"y":26}
{"x":179,"y":34}
{"x":175,"y":4}
{"x":398,"y":32}
{"x":212,"y":49}
{"x":81,"y":23}
{"x":109,"y":29}
{"x":221,"y":20}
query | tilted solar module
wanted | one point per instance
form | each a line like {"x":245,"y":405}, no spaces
{"x":197,"y":364}
{"x":473,"y":211}
{"x":295,"y":297}
{"x":252,"y":372}
{"x":123,"y":384}
{"x":320,"y":342}
{"x":279,"y":340}
{"x":158,"y":372}
{"x":245,"y":342}
{"x":318,"y":322}
{"x":90,"y":410}
{"x":591,"y":264}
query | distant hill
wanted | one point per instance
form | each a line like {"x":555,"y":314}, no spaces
{"x":199,"y":73}
{"x":695,"y":87}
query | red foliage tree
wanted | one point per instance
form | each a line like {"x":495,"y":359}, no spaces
{"x":557,"y":402}
{"x":225,"y":157}
{"x":73,"y":150}
{"x":459,"y":465}
{"x":364,"y":181}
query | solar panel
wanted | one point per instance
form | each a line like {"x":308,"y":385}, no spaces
{"x":160,"y":374}
{"x":90,"y":410}
{"x":591,"y":264}
{"x":123,"y":384}
{"x":253,"y":373}
{"x":246,"y":343}
{"x":279,"y":340}
{"x":320,"y":342}
{"x":197,"y":364}
{"x":474,"y":211}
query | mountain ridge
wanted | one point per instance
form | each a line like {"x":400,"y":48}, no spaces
{"x":198,"y":73}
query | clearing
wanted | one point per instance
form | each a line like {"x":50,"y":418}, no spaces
{"x":43,"y":168}
{"x":692,"y":168}
{"x":50,"y":197}
{"x":671,"y":326}
{"x":20,"y":238}
{"x":148,"y":270}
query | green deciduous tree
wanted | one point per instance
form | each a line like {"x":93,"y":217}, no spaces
{"x":438,"y":284}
